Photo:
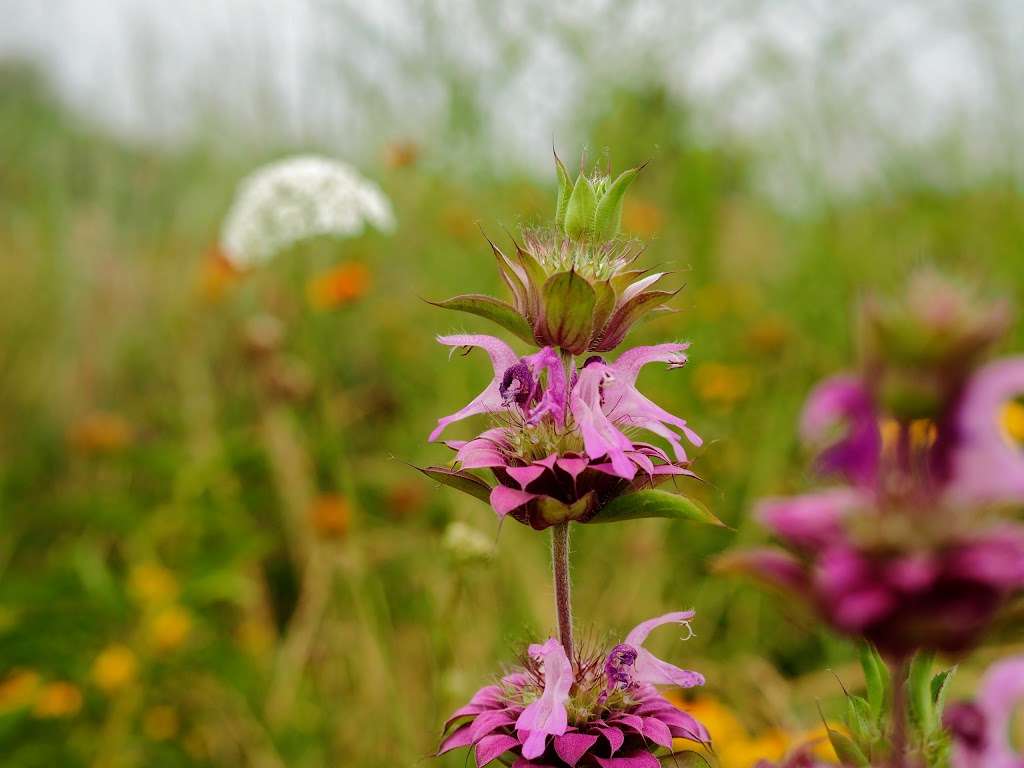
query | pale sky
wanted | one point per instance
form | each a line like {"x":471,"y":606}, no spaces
{"x":820,"y":87}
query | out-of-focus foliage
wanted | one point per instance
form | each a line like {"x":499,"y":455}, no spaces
{"x":212,"y":549}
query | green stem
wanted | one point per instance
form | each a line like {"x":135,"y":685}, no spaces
{"x":560,"y":573}
{"x":898,"y":671}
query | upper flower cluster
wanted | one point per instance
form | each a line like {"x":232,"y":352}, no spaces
{"x":559,"y":448}
{"x":574,"y":286}
{"x":602,"y":709}
{"x":911,"y":551}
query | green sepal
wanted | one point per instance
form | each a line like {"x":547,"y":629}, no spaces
{"x":605,"y":303}
{"x":511,"y":277}
{"x":919,"y":692}
{"x":535,"y":278}
{"x":654,"y":503}
{"x":627,"y":315}
{"x":579,"y":214}
{"x":490,"y":308}
{"x":876,"y":679}
{"x":460,"y":480}
{"x":568,"y":311}
{"x":847,"y":751}
{"x":859,"y":719}
{"x":564,"y":191}
{"x":608,"y":216}
{"x":552,"y":511}
{"x":939,"y":689}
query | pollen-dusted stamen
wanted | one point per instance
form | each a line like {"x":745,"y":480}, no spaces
{"x":517,"y":385}
{"x":618,"y":669}
{"x":690,"y":634}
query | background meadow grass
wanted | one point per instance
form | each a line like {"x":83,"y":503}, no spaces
{"x":213,"y":550}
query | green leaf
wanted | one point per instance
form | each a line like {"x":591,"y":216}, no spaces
{"x":859,"y":719}
{"x":568,"y":315}
{"x":654,"y":503}
{"x":846,"y":750}
{"x":564,"y":191}
{"x":876,"y":679}
{"x":579,"y":215}
{"x":460,"y":480}
{"x":940,"y":687}
{"x":495,"y":310}
{"x":919,"y":690}
{"x":608,"y":217}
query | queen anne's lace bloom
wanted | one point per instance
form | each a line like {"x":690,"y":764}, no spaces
{"x":300,"y":197}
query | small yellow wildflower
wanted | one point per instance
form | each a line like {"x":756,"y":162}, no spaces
{"x":18,"y":689}
{"x":160,"y":723}
{"x":114,"y":668}
{"x":169,"y":628}
{"x":721,"y":384}
{"x":151,"y":584}
{"x":1012,"y":419}
{"x":58,"y":699}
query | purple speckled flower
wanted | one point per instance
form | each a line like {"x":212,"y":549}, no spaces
{"x":981,"y":729}
{"x":561,"y":448}
{"x":600,"y":711}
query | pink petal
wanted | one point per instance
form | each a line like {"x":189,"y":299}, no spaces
{"x":842,"y":401}
{"x":987,"y":466}
{"x":573,"y":466}
{"x":657,"y":731}
{"x":525,"y":475}
{"x":639,"y":633}
{"x":491,"y":747}
{"x":636,"y":760}
{"x":812,"y":520}
{"x":505,"y":499}
{"x":547,"y":715}
{"x":570,"y":747}
{"x":460,"y":738}
{"x":614,"y":736}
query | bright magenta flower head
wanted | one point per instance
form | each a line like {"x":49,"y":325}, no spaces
{"x":557,"y":712}
{"x":561,"y":449}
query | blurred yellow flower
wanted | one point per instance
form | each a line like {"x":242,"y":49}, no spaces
{"x":735,"y":746}
{"x":114,"y":668}
{"x":401,"y":154}
{"x":330,"y":515}
{"x":769,"y":334}
{"x":721,"y":384}
{"x":169,"y":628}
{"x":338,"y":286}
{"x":18,"y":689}
{"x":1012,"y":420}
{"x":160,"y":723}
{"x":100,"y":432}
{"x":152,"y":584}
{"x":641,"y":217}
{"x":923,"y":433}
{"x":58,"y":699}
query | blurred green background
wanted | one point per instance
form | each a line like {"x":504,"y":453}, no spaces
{"x":213,"y":550}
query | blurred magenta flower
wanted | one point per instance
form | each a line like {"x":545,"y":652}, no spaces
{"x":601,"y":709}
{"x":981,"y":729}
{"x":909,"y":552}
{"x":561,"y":449}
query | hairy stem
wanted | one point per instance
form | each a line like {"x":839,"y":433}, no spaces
{"x":560,"y":573}
{"x":898,"y":670}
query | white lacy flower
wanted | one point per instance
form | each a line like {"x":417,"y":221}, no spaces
{"x":290,"y":200}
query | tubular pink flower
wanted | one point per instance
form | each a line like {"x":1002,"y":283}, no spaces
{"x":987,"y":467}
{"x":547,"y":715}
{"x":981,"y":730}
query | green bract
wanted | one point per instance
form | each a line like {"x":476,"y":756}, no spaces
{"x":574,"y":286}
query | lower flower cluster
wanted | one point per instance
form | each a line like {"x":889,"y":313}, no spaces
{"x":600,"y":709}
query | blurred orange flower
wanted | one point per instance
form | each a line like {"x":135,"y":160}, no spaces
{"x":406,"y":498}
{"x":217,"y":275}
{"x":338,"y":286}
{"x":100,"y":432}
{"x":721,"y":384}
{"x":114,"y":668}
{"x":58,"y":699}
{"x":18,"y":689}
{"x":641,"y":217}
{"x":330,"y":516}
{"x":401,"y":154}
{"x":169,"y":628}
